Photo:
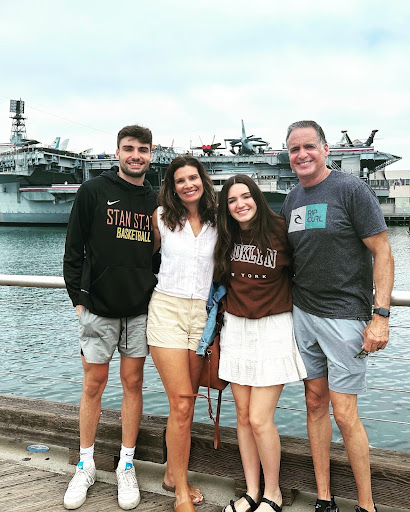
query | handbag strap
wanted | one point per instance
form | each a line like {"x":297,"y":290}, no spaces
{"x":215,"y":419}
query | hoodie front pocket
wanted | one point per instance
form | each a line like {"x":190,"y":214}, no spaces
{"x":122,"y":291}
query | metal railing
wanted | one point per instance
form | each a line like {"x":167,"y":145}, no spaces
{"x":398,"y":297}
{"x":31,"y":281}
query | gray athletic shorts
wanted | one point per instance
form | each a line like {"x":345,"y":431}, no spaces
{"x":328,"y":347}
{"x":99,"y":336}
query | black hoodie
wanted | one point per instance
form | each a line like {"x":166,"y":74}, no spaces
{"x":108,"y":251}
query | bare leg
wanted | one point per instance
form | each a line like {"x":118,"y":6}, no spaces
{"x":319,"y":429}
{"x":356,"y":444}
{"x":94,"y":382}
{"x":131,"y":373}
{"x":175,"y":367}
{"x":247,"y":445}
{"x":194,"y":371}
{"x":263,"y":403}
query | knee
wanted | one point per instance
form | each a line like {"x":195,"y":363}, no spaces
{"x":182,"y":410}
{"x":345,"y":418}
{"x":259,"y":424}
{"x":132,"y":383}
{"x":242,"y":416}
{"x":317,"y":405}
{"x":94,"y":386}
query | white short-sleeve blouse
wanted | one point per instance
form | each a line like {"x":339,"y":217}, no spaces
{"x":187,"y":262}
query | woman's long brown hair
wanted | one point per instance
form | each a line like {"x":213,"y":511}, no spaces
{"x":174,"y":212}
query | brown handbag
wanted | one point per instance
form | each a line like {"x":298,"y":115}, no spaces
{"x":209,"y":379}
{"x":209,"y":375}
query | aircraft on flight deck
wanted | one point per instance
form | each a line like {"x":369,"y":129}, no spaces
{"x":246,"y":144}
{"x":208,"y":149}
{"x":346,"y":141}
{"x":57,"y":145}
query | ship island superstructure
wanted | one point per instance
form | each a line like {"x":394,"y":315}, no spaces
{"x":38,"y":183}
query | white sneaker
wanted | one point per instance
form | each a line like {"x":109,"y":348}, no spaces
{"x":128,"y":491}
{"x":76,"y":492}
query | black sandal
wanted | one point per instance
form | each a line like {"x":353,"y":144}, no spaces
{"x":360,"y":509}
{"x":253,"y":505}
{"x":272,"y":504}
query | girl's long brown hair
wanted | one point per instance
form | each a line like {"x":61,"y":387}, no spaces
{"x":263,"y":224}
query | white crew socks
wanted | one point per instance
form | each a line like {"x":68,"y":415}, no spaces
{"x":127,"y":454}
{"x":86,"y":454}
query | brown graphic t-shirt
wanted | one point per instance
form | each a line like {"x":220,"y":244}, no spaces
{"x":260,"y":284}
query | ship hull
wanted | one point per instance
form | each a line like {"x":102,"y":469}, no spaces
{"x":38,"y":185}
{"x":39,"y":207}
{"x":44,"y":218}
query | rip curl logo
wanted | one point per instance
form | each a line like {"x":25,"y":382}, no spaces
{"x":312,"y":216}
{"x":251,"y":254}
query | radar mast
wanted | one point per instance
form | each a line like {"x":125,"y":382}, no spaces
{"x":18,"y":128}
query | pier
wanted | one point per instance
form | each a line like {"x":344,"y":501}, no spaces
{"x":399,"y":219}
{"x":32,"y":481}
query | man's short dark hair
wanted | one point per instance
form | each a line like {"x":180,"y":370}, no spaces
{"x":307,"y":124}
{"x":136,"y":132}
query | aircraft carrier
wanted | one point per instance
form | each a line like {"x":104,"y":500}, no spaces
{"x":38,"y":183}
{"x":271,"y":168}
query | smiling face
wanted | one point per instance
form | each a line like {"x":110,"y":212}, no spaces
{"x":134,"y":157}
{"x":241,"y":204}
{"x":188,"y":185}
{"x":307,"y":155}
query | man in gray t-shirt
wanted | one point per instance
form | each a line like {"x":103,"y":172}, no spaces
{"x":338,"y":234}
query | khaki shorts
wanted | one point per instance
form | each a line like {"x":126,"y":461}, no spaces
{"x":100,"y":336}
{"x":174,"y":322}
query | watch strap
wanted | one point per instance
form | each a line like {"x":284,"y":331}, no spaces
{"x":382,"y":312}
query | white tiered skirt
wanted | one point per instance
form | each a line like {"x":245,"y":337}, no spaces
{"x":259,"y":352}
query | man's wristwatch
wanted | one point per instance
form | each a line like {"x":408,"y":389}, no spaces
{"x":382,"y":312}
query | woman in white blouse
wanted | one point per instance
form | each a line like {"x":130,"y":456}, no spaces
{"x":185,"y":223}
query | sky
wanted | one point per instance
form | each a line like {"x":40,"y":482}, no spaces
{"x":192,"y":70}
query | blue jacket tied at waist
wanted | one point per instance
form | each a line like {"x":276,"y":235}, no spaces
{"x":215,"y":295}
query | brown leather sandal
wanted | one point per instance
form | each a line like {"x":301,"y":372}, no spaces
{"x":199,"y":502}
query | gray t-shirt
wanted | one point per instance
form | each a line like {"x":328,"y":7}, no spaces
{"x":333,"y":267}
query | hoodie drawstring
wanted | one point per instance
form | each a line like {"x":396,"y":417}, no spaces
{"x":126,"y":333}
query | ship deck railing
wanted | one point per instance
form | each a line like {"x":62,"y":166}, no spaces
{"x":57,"y":423}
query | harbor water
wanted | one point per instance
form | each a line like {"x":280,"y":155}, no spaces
{"x":40,"y":355}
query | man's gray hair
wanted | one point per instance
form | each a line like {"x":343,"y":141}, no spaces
{"x":307,"y":124}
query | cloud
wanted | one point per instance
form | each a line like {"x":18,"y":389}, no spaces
{"x":195,"y":70}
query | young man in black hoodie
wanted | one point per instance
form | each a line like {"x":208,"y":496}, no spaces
{"x":109,"y":278}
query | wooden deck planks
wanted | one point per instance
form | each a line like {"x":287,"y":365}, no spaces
{"x":56,"y":423}
{"x":26,"y":489}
